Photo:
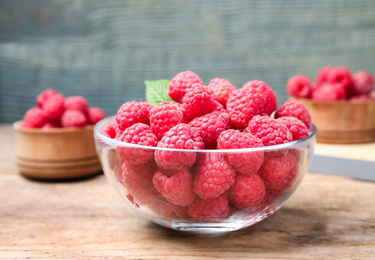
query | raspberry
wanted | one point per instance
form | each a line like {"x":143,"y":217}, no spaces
{"x":77,"y":103}
{"x":180,"y":136}
{"x":177,"y":189}
{"x":340,"y":75}
{"x":137,"y":180}
{"x":164,"y":116}
{"x":168,"y":210}
{"x":269,"y":96}
{"x":267,"y":201}
{"x":244,"y":162}
{"x":269,"y":130}
{"x":299,"y":86}
{"x":329,"y":92}
{"x":295,"y":126}
{"x":133,"y":112}
{"x":209,"y":127}
{"x":322,"y":75}
{"x":34,"y":118}
{"x":210,"y":210}
{"x":139,"y":134}
{"x":363,"y":83}
{"x":296,"y":109}
{"x":198,"y":101}
{"x":111,"y":130}
{"x":279,"y":173}
{"x":213,"y":177}
{"x":54,"y":107}
{"x":73,"y":118}
{"x":95,"y":114}
{"x":44,"y":96}
{"x":247,"y":190}
{"x":242,"y":105}
{"x":181,"y":83}
{"x":221,"y":88}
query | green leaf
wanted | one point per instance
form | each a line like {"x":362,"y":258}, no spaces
{"x":157,"y":91}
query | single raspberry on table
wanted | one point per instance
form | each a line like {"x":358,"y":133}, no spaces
{"x":164,"y":116}
{"x":299,"y":86}
{"x":34,"y":118}
{"x":279,"y":173}
{"x":181,"y":83}
{"x":180,"y":136}
{"x":95,"y":114}
{"x":242,"y":105}
{"x":269,"y":130}
{"x":330,"y":92}
{"x":44,"y":96}
{"x":221,"y":88}
{"x":363,"y":83}
{"x":133,"y":112}
{"x":210,"y":210}
{"x":296,"y":127}
{"x":78,"y":103}
{"x":214,"y":175}
{"x":111,"y":130}
{"x":247,"y":190}
{"x":177,"y":189}
{"x":340,"y":75}
{"x":139,"y":134}
{"x":199,"y":101}
{"x":246,"y":162}
{"x":296,"y":109}
{"x":269,"y":96}
{"x":54,"y":107}
{"x":73,"y":118}
{"x":322,"y":75}
{"x":209,"y":126}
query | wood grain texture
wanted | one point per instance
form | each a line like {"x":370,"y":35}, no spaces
{"x":105,"y":50}
{"x":329,"y":217}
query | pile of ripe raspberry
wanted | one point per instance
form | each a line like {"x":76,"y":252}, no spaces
{"x":207,"y":186}
{"x":53,"y":110}
{"x":333,"y":84}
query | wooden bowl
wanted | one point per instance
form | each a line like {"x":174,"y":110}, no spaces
{"x":342,"y":122}
{"x":56,"y":154}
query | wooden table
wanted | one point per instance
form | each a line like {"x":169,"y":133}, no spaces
{"x":330,"y":217}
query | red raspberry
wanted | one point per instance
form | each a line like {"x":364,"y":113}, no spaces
{"x":34,"y":118}
{"x":198,"y":101}
{"x":137,"y":180}
{"x":77,"y":103}
{"x":242,"y":105}
{"x":322,"y":75}
{"x":213,"y":177}
{"x":181,"y":83}
{"x":44,"y":96}
{"x":209,"y":126}
{"x":247,"y":190}
{"x":111,"y":130}
{"x":133,"y":112}
{"x":169,"y":210}
{"x":299,"y":86}
{"x":361,"y":98}
{"x":296,"y":127}
{"x":177,"y":189}
{"x":164,"y":116}
{"x":73,"y":118}
{"x":95,"y":115}
{"x":244,"y":162}
{"x":363,"y":83}
{"x":269,"y":130}
{"x":139,"y":134}
{"x":180,"y":136}
{"x":269,"y":96}
{"x":54,"y":107}
{"x":340,"y":75}
{"x":221,"y":88}
{"x":329,"y":92}
{"x":279,"y":173}
{"x":296,"y":109}
{"x":210,"y":210}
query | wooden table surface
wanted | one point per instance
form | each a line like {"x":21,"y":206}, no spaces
{"x":329,"y":217}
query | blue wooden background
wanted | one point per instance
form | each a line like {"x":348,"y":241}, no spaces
{"x":104,"y":50}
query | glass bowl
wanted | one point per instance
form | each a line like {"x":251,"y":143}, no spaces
{"x":283,"y":168}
